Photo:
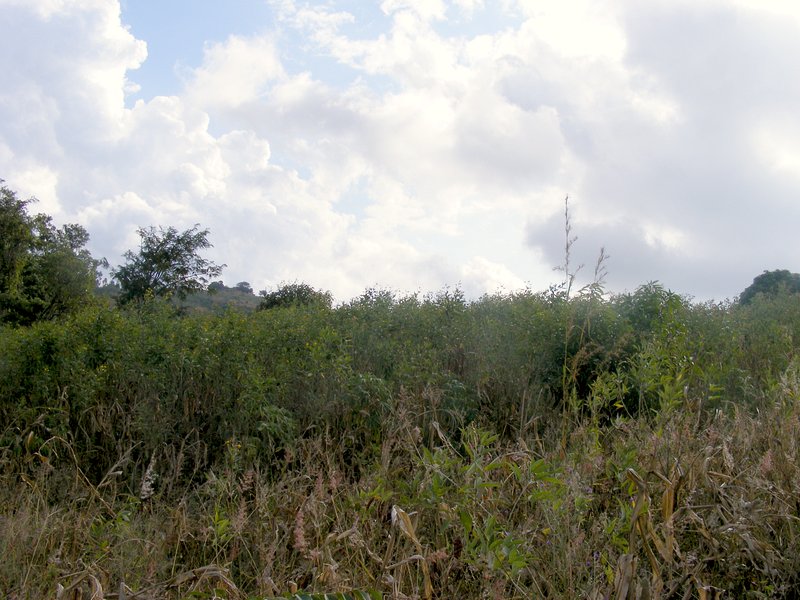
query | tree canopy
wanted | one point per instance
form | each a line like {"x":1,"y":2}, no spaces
{"x":770,"y":283}
{"x":167,"y":263}
{"x":294,"y":294}
{"x":45,"y":271}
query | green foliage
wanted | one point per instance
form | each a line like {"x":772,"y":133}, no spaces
{"x":179,"y":447}
{"x":245,"y":287}
{"x":294,"y":294}
{"x":770,"y":283}
{"x":167,"y":263}
{"x":16,"y":239}
{"x":151,"y":381}
{"x":45,"y":271}
{"x":220,"y":297}
{"x":279,"y":443}
{"x":192,"y":449}
{"x":647,"y":307}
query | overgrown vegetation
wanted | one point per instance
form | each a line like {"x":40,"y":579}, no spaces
{"x":558,"y":444}
{"x":167,"y":263}
{"x":407,"y":446}
{"x":45,"y":271}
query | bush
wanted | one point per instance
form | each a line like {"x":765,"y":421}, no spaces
{"x":295,"y":294}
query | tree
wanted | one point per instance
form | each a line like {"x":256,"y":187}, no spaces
{"x":245,"y":287}
{"x":167,"y":263}
{"x":770,"y":283}
{"x":16,"y":239}
{"x":45,"y":271}
{"x":294,"y":294}
{"x":61,"y":274}
{"x":647,"y":307}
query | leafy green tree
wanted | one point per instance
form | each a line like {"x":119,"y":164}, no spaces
{"x":647,"y":307}
{"x":295,"y":294}
{"x":770,"y":283}
{"x":45,"y":271}
{"x":16,"y":239}
{"x":167,"y":263}
{"x":62,"y":273}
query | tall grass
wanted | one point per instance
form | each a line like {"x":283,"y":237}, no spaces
{"x":412,"y":447}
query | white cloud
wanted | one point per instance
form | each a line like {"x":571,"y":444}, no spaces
{"x":480,"y":276}
{"x":44,"y":180}
{"x":234,"y":73}
{"x":777,"y":143}
{"x":426,"y":10}
{"x":432,"y":158}
{"x":578,"y":29}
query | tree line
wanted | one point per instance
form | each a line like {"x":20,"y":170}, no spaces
{"x":46,"y":271}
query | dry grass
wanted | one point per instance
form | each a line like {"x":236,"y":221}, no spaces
{"x":683,"y":506}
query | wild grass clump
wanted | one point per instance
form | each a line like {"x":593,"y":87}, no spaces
{"x":674,"y":505}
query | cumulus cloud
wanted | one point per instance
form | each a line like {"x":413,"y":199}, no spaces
{"x":234,"y":72}
{"x":425,"y":9}
{"x":436,"y":155}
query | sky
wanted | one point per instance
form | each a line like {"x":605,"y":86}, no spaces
{"x":415,"y":145}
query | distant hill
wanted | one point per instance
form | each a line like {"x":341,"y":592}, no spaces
{"x":220,"y":297}
{"x":217,"y":299}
